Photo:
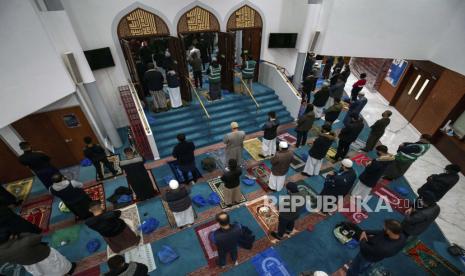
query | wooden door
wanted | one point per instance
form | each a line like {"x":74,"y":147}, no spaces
{"x":129,"y":57}
{"x":418,"y":85}
{"x":72,"y":125}
{"x":178,"y":54}
{"x":11,"y":168}
{"x":42,"y":135}
{"x":252,"y":42}
{"x":226,"y":43}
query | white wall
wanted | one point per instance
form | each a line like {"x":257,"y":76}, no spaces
{"x":95,"y":25}
{"x":32,"y":72}
{"x":395,"y":29}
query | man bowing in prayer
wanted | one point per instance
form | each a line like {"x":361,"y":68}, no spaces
{"x":280,"y":164}
{"x":137,"y":175}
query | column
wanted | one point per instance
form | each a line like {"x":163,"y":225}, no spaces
{"x":306,"y":35}
{"x":11,"y":138}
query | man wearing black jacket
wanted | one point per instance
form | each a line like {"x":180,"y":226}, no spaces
{"x":270,"y":131}
{"x":376,"y":246}
{"x":419,"y":218}
{"x":153,"y":80}
{"x":288,"y":211}
{"x":184,"y":153}
{"x":320,"y":99}
{"x":377,"y":130}
{"x":347,"y":136}
{"x":440,"y":184}
{"x":118,"y":267}
{"x":98,"y":156}
{"x":226,"y":239}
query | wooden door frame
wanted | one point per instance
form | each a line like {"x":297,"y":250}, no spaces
{"x":260,"y":50}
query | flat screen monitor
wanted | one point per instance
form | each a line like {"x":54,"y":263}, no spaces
{"x":282,"y":40}
{"x":99,"y":58}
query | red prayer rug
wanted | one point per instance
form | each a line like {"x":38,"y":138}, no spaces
{"x":93,"y":271}
{"x":204,"y":233}
{"x":353,"y":215}
{"x":361,"y":159}
{"x":38,"y":211}
{"x":97,"y":192}
{"x":290,"y":139}
{"x":429,"y":260}
{"x":262,"y":173}
{"x":395,"y":200}
{"x":265,"y":213}
{"x":381,"y":183}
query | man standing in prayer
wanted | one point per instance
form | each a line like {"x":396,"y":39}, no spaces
{"x":373,"y":172}
{"x":214,"y":80}
{"x":119,"y":267}
{"x":309,"y":85}
{"x":318,"y":151}
{"x":7,"y":198}
{"x":137,"y":175}
{"x":376,"y":246}
{"x":347,"y":136}
{"x":248,"y":71}
{"x":327,"y":68}
{"x":289,"y":211}
{"x":28,"y":250}
{"x":98,"y":156}
{"x":180,"y":203}
{"x":421,"y":216}
{"x":184,"y":152}
{"x":15,"y":223}
{"x":358,"y":86}
{"x":440,"y":184}
{"x":336,"y":91}
{"x":280,"y":164}
{"x":226,"y":239}
{"x":407,"y":153}
{"x":320,"y":99}
{"x":377,"y":131}
{"x":339,"y":183}
{"x":356,"y":107}
{"x":39,"y":163}
{"x":153,"y":80}
{"x":332,"y":113}
{"x":196,"y":64}
{"x":234,"y":143}
{"x":270,"y":132}
{"x":232,"y":180}
{"x":172,"y":79}
{"x":111,"y":227}
{"x":72,"y":195}
{"x":304,"y":124}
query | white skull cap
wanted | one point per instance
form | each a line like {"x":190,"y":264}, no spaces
{"x":283,"y":145}
{"x":174,"y":184}
{"x":347,"y":163}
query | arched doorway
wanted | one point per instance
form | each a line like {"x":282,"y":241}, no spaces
{"x":247,"y":25}
{"x":145,"y":38}
{"x":200,"y":28}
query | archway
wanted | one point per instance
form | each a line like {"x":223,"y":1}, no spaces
{"x":247,"y":24}
{"x":145,"y":38}
{"x":200,"y":28}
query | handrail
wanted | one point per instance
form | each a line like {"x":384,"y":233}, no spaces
{"x":198,"y":98}
{"x":139,"y":107}
{"x":280,"y":69}
{"x":248,"y":89}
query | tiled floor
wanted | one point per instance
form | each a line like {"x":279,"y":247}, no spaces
{"x":452,"y":217}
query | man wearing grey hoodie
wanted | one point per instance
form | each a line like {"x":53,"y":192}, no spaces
{"x":72,"y":195}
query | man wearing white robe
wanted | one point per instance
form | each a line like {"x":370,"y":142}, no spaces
{"x":270,"y":131}
{"x":280,"y":164}
{"x":180,"y":204}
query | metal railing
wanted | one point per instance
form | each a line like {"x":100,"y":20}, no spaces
{"x":283,"y":71}
{"x":247,"y":89}
{"x":198,"y":98}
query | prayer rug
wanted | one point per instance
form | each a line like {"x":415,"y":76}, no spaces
{"x":362,"y":159}
{"x":308,"y":192}
{"x":217,"y":185}
{"x":142,"y":254}
{"x":396,"y":202}
{"x":203,"y":234}
{"x":71,"y":172}
{"x":38,"y":211}
{"x":21,"y":188}
{"x":254,"y":148}
{"x":114,"y":160}
{"x":265,"y":212}
{"x":169,"y":214}
{"x":97,"y":192}
{"x":352,"y":213}
{"x":290,"y":139}
{"x":429,"y":260}
{"x":130,"y":215}
{"x":174,"y":166}
{"x":297,"y":164}
{"x":268,"y":262}
{"x":262,"y":174}
{"x":65,"y":236}
{"x":93,"y":271}
{"x":331,"y":153}
{"x":358,"y":145}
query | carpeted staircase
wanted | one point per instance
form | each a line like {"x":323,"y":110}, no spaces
{"x":192,"y":121}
